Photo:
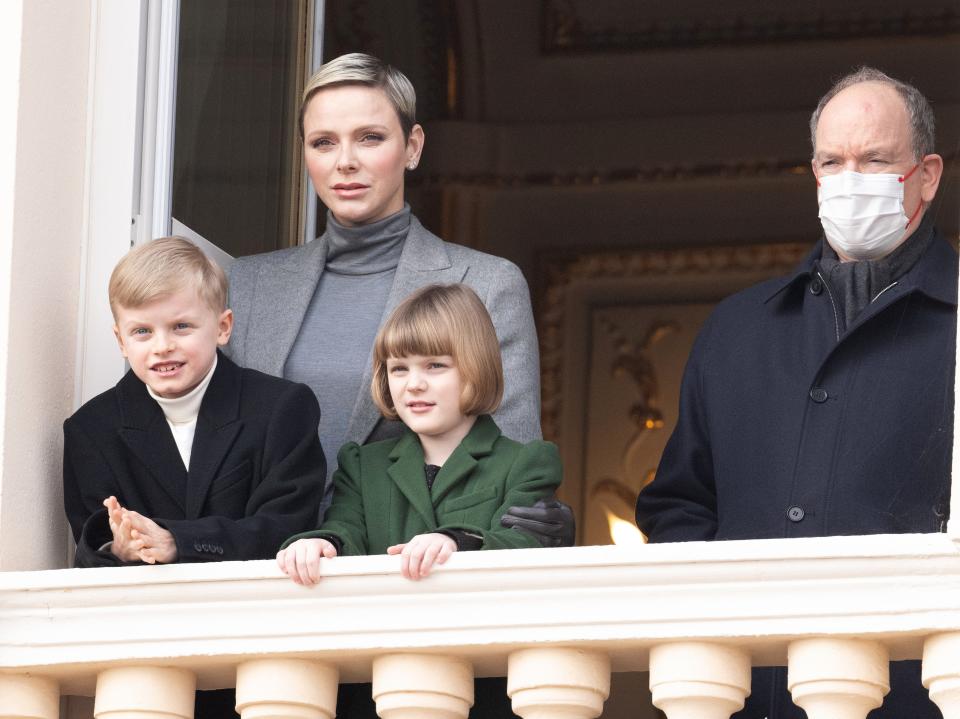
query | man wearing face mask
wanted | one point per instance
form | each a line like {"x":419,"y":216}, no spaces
{"x":821,"y":403}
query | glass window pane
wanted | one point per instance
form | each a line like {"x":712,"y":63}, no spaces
{"x":236,"y":178}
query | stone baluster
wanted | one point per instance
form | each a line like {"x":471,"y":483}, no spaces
{"x":145,"y":693}
{"x":699,"y":680}
{"x":422,"y":686}
{"x":838,"y":678}
{"x":941,"y":672}
{"x":546,"y":683}
{"x":28,"y":697}
{"x":288,"y":688}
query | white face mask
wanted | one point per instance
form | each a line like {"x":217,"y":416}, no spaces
{"x":862,"y":213}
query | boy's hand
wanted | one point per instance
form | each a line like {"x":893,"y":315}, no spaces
{"x":418,"y":556}
{"x":155,"y":545}
{"x":123,"y":545}
{"x":301,"y":560}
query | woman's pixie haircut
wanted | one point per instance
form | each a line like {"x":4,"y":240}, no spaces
{"x":357,"y":68}
{"x":442,"y":320}
{"x":161,"y":267}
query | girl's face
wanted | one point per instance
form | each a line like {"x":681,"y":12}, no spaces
{"x":426,"y":393}
{"x":356,"y":154}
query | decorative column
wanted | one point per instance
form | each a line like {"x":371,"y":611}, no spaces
{"x":145,"y":693}
{"x":288,"y":688}
{"x":838,"y":678}
{"x":941,"y":672}
{"x":558,"y":682}
{"x":699,"y":680}
{"x":26,"y":697}
{"x":422,"y":686}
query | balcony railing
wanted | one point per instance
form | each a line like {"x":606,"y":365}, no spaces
{"x":555,"y":622}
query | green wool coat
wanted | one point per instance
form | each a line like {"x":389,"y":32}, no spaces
{"x":381,"y":496}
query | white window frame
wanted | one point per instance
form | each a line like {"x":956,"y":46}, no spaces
{"x":131,"y":131}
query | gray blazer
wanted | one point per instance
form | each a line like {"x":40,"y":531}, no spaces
{"x":270,"y":293}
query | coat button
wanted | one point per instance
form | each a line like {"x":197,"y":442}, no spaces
{"x":816,"y":286}
{"x":819,"y":395}
{"x":795,"y":514}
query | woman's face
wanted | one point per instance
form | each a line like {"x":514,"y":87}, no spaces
{"x":355,"y":152}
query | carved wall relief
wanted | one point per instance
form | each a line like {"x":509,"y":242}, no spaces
{"x":615,"y":332}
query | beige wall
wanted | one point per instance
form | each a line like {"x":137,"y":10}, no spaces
{"x":40,"y":246}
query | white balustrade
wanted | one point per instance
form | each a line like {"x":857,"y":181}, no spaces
{"x":699,"y":680}
{"x":27,"y":697}
{"x":288,"y":688}
{"x":558,"y":682}
{"x":836,"y":678}
{"x":554,"y":622}
{"x":145,"y":692}
{"x":941,"y":672}
{"x":422,"y":686}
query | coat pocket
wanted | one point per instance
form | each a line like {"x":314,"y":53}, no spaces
{"x":466,"y":501}
{"x":232,"y":478}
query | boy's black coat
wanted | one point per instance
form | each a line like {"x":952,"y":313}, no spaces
{"x":257,"y":469}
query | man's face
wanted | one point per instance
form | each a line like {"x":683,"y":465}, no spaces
{"x":865,"y":128}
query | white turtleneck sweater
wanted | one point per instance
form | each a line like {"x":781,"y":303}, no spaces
{"x":182,"y":413}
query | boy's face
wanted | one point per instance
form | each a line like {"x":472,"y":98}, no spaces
{"x":171,"y":342}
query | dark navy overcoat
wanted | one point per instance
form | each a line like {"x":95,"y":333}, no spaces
{"x":792,"y":425}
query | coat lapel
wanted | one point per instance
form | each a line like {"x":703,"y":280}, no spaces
{"x":148,"y":437}
{"x":280,"y":302}
{"x":478,"y":443}
{"x":406,"y":471}
{"x":217,"y":427}
{"x":424,"y":261}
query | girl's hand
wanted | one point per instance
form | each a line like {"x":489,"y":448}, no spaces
{"x":418,"y":556}
{"x":301,"y":560}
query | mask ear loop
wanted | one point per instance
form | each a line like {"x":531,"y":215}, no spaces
{"x":920,"y":206}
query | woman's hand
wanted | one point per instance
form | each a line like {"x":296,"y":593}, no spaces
{"x":301,"y":560}
{"x":418,"y":556}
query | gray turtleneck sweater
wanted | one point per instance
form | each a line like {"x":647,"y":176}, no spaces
{"x":336,"y":338}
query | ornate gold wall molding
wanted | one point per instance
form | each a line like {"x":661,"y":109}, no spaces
{"x":656,"y":173}
{"x":690,"y":264}
{"x":570,"y":26}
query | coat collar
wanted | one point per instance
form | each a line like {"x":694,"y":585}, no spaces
{"x":294,"y":278}
{"x":146,"y":433}
{"x":218,"y":425}
{"x":934,"y":274}
{"x":424,"y":261}
{"x":406,"y":469}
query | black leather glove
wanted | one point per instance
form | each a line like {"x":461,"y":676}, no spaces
{"x":549,"y":520}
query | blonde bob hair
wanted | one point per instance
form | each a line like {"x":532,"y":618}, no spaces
{"x":161,"y":267}
{"x":357,"y":68}
{"x":443,"y":320}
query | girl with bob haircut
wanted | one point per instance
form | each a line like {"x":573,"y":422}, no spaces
{"x":446,"y":482}
{"x":443,"y":320}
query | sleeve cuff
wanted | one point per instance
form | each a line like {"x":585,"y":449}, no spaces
{"x":466,"y":541}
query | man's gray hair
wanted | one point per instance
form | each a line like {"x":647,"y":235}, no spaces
{"x":918,"y":109}
{"x":357,"y":68}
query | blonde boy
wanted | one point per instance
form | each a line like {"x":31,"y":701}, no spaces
{"x":188,"y":458}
